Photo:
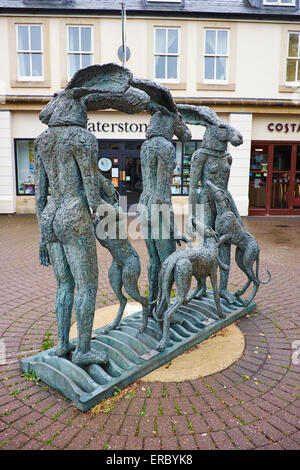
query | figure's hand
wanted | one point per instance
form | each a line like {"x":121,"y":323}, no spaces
{"x":190,"y":228}
{"x":44,"y":254}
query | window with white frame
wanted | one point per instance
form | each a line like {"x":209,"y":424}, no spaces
{"x":287,"y":3}
{"x":216,"y":55}
{"x":30,"y":51}
{"x":293,"y":58}
{"x":166,"y":54}
{"x":80,"y":48}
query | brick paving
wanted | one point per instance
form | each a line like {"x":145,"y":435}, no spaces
{"x":253,"y":404}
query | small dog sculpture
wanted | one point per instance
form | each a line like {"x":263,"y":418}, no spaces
{"x":231,"y":231}
{"x":125,"y":268}
{"x":180,"y":267}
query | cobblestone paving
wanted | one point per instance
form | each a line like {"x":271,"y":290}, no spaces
{"x":253,"y":404}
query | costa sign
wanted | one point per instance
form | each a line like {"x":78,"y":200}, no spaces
{"x":284,"y":127}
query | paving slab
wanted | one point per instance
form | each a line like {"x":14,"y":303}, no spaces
{"x":260,"y":390}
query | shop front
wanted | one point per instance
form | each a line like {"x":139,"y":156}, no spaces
{"x":120,"y":138}
{"x":274,"y":180}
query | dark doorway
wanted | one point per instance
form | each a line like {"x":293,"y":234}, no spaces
{"x":125,"y":172}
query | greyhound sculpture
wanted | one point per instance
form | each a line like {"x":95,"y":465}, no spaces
{"x":125,"y":268}
{"x":180,"y":267}
{"x":231,"y":231}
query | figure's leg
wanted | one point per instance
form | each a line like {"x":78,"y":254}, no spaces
{"x":214,"y":283}
{"x":64,"y":296}
{"x":82,"y":258}
{"x":183,"y":272}
{"x":239,"y":262}
{"x":197,"y":292}
{"x":249,"y":258}
{"x":224,"y":254}
{"x":131,"y":274}
{"x":165,"y":287}
{"x":209,"y":221}
{"x":115,"y":279}
{"x":153,"y":271}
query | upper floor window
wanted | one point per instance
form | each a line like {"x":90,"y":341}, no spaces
{"x":30,"y":52}
{"x":80,"y":48}
{"x":166,"y":53}
{"x":216,"y":55}
{"x":279,"y":2}
{"x":293,"y":59}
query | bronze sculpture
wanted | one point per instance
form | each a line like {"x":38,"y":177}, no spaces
{"x":232,"y":232}
{"x":212,"y":163}
{"x":66,"y":156}
{"x":180,"y":267}
{"x":157,"y":162}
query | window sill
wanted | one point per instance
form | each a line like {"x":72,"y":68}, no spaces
{"x":30,"y":84}
{"x":216,"y":86}
{"x":174,"y":86}
{"x":289,"y":88}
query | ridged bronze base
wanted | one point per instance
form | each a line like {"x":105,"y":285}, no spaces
{"x":131,"y":354}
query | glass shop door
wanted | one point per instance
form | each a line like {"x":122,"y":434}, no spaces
{"x":296,"y":183}
{"x":284,"y":180}
{"x":131,"y":184}
{"x":274,"y":186}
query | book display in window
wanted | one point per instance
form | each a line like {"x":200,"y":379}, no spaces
{"x":188,"y":150}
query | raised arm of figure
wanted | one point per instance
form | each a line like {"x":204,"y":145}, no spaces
{"x":199,"y":115}
{"x":87,"y":163}
{"x":130,"y":102}
{"x":198,"y":160}
{"x":41,"y":193}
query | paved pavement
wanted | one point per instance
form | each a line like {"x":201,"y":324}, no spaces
{"x":253,"y":404}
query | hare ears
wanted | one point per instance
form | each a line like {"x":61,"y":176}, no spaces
{"x":160,"y":96}
{"x":196,"y":114}
{"x":103,"y":78}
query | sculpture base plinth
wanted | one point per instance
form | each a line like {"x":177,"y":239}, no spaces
{"x":131,"y":354}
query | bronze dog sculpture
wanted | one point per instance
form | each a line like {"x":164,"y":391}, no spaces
{"x":125,"y":268}
{"x":232,"y":232}
{"x":180,"y":267}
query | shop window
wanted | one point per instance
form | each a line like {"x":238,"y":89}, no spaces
{"x":258,"y":176}
{"x":216,"y":55}
{"x":181,"y":175}
{"x":25,"y":168}
{"x":166,"y":54}
{"x":30,"y":52}
{"x":298,"y":158}
{"x":292,"y":68}
{"x":133,"y":145}
{"x":80,"y":48}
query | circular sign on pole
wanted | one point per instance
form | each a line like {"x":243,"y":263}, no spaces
{"x":104,"y":164}
{"x":121,"y":53}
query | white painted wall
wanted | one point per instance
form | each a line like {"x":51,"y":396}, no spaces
{"x":239,"y":175}
{"x":7,"y":168}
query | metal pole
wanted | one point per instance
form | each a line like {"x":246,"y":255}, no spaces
{"x":123,"y":33}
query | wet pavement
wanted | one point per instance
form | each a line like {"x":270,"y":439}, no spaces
{"x":253,"y":404}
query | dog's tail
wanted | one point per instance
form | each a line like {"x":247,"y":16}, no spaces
{"x":225,"y":267}
{"x":257,"y":273}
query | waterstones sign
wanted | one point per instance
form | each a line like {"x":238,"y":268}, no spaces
{"x":117,"y":127}
{"x":284,"y":127}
